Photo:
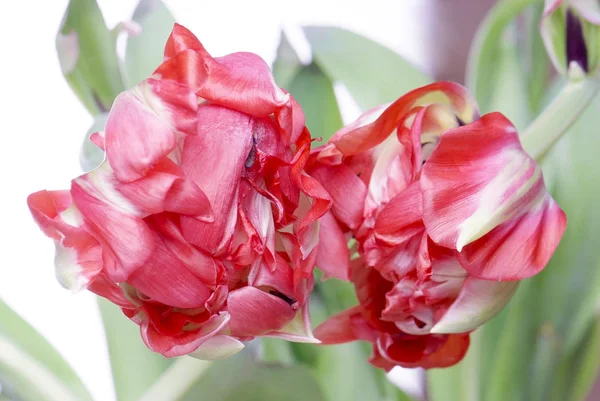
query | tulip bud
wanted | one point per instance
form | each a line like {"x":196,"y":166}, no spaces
{"x":571,"y":33}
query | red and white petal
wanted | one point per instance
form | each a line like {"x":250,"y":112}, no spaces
{"x":254,"y":312}
{"x":370,"y":135}
{"x":77,"y":267}
{"x":141,"y":126}
{"x":280,"y":279}
{"x":214,"y":159}
{"x":346,"y":326}
{"x":291,"y":120}
{"x":333,"y":256}
{"x":181,"y":39}
{"x":518,"y":248}
{"x":184,"y":343}
{"x":401,"y":218}
{"x":348,"y":192}
{"x":110,"y":218}
{"x":298,"y":329}
{"x":480,"y":178}
{"x":166,"y":279}
{"x":477,"y":302}
{"x":217,"y":347}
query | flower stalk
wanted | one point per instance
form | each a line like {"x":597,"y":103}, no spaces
{"x":562,"y":112}
{"x":177,"y":380}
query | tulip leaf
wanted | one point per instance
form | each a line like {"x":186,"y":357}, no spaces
{"x":314,"y":91}
{"x":145,"y":51}
{"x":372,"y":73}
{"x":88,"y":55}
{"x":482,"y":64}
{"x":91,"y":156}
{"x":134,"y":367}
{"x":30,"y":368}
{"x":536,"y":59}
{"x":287,"y":63}
{"x":241,"y":378}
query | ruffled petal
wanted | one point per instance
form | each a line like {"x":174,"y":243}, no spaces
{"x":240,"y":81}
{"x":184,"y":343}
{"x":347,"y":191}
{"x":214,"y":159}
{"x":344,"y":327}
{"x":254,"y":312}
{"x":369,"y":135}
{"x":480,"y":180}
{"x":477,"y":302}
{"x":217,"y":347}
{"x":401,"y":218}
{"x":141,"y":126}
{"x":78,"y":257}
{"x":333,"y":256}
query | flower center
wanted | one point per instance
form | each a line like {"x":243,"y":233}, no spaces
{"x":576,"y":49}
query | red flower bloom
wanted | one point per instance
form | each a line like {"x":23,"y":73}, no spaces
{"x":200,"y":223}
{"x":448,"y":211}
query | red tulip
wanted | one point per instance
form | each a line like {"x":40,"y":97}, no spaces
{"x":200,"y":223}
{"x":448,"y":211}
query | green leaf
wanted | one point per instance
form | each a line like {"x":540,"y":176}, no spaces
{"x":344,"y":373}
{"x":482,"y":64}
{"x":134,"y":367}
{"x":30,"y":368}
{"x":372,"y":73}
{"x":287,"y":64}
{"x":88,"y":55}
{"x":91,"y":156}
{"x":535,"y":58}
{"x":145,"y":51}
{"x":314,"y":91}
{"x":241,"y":378}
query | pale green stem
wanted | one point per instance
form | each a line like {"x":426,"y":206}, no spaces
{"x":176,"y":380}
{"x":31,"y":379}
{"x":558,"y":117}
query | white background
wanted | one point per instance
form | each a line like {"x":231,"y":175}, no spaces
{"x":42,"y":125}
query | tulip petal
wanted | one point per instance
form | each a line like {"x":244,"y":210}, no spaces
{"x":347,"y":191}
{"x":217,"y":347}
{"x":478,"y":178}
{"x":477,"y":302}
{"x":333,"y":256}
{"x":344,"y":327}
{"x":370,"y":135}
{"x":241,"y":81}
{"x":298,"y":329}
{"x":141,"y":126}
{"x":184,"y":343}
{"x":227,"y":133}
{"x":254,"y":312}
{"x":401,"y":218}
{"x":519,"y":248}
{"x":110,"y":218}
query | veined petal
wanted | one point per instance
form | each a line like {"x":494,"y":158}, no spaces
{"x":184,"y":343}
{"x":369,"y":135}
{"x":78,"y":258}
{"x":217,"y":347}
{"x":227,"y":133}
{"x":333,"y":256}
{"x":518,"y":248}
{"x":181,"y":39}
{"x":401,"y":218}
{"x":477,"y":178}
{"x":347,"y":191}
{"x":141,"y":126}
{"x":246,"y":303}
{"x":298,"y":329}
{"x":110,"y":218}
{"x":241,"y":81}
{"x":477,"y":302}
{"x":344,"y":327}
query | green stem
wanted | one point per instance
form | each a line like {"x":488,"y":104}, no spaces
{"x":176,"y":380}
{"x":558,"y":117}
